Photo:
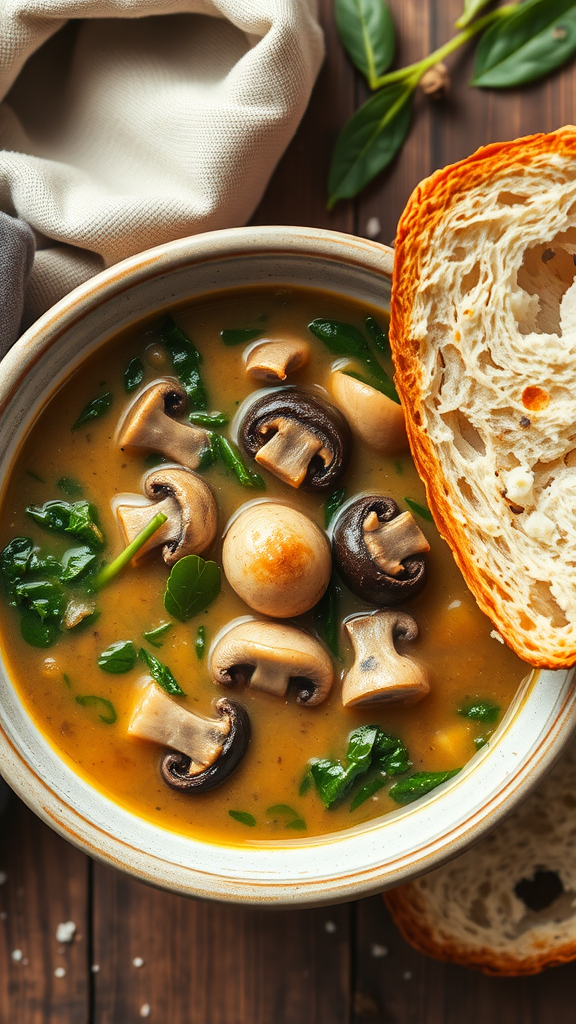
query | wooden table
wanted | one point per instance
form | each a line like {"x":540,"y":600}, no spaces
{"x":211,"y":964}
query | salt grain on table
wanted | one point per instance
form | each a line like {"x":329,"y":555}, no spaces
{"x":65,"y":931}
{"x":145,"y":1010}
{"x":378,"y":951}
{"x":330,"y":927}
{"x":138,"y":961}
{"x":17,"y":955}
{"x":3,"y":878}
{"x":60,"y":972}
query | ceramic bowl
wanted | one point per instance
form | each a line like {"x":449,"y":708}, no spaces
{"x":361,"y":860}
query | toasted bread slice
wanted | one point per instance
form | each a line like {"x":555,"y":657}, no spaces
{"x":508,"y":905}
{"x":483,"y":335}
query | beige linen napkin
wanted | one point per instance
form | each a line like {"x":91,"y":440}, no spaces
{"x":145,"y":121}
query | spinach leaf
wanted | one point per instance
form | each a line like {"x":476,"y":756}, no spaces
{"x":332,"y":778}
{"x":243,"y":817}
{"x":533,"y":40}
{"x":420,"y":510}
{"x":370,"y":789}
{"x":377,"y":335}
{"x":36,"y":632}
{"x":327,"y":617}
{"x":154,"y":636}
{"x":332,"y":504}
{"x":77,"y":519}
{"x":292,"y":819}
{"x":14,"y":562}
{"x":307,"y":782}
{"x":119,"y":657}
{"x":70,"y":487}
{"x":209,"y":419}
{"x":186,"y":361}
{"x":35,"y":476}
{"x":94,"y":409}
{"x":344,"y":339}
{"x":415,"y":786}
{"x":480,"y":711}
{"x":398,"y":467}
{"x":230,"y":456}
{"x":107,"y":715}
{"x":200,"y":642}
{"x":367,"y":32}
{"x":75,"y":563}
{"x":161,"y":674}
{"x":471,"y":9}
{"x":153,"y":460}
{"x":391,"y":755}
{"x":133,"y":375}
{"x":370,"y":140}
{"x":240,"y":337}
{"x":45,"y":597}
{"x":192,"y":585}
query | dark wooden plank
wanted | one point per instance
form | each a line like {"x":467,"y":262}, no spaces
{"x":46,"y":883}
{"x":214,"y":964}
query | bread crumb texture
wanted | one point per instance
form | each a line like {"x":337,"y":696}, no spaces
{"x":483,"y":335}
{"x":507,"y":906}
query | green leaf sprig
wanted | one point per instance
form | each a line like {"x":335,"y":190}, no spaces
{"x":368,"y":748}
{"x":110,"y":571}
{"x":94,"y":409}
{"x":186,"y":360}
{"x":155,"y":636}
{"x":521,"y":42}
{"x":244,"y":817}
{"x":78,"y":519}
{"x":105,"y":708}
{"x":480,"y":710}
{"x":232,"y":336}
{"x":192,"y":585}
{"x":161,"y":674}
{"x":120,"y":657}
{"x":344,"y":339}
{"x":415,"y":786}
{"x":291,"y":818}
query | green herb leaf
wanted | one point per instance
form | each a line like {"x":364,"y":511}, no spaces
{"x":332,"y":504}
{"x":390,"y":754}
{"x":230,"y":456}
{"x":333,"y":779}
{"x":118,"y":658}
{"x":200,"y":642}
{"x":154,"y":636}
{"x":66,"y":679}
{"x":420,"y":510}
{"x":283,"y":811}
{"x":480,"y":711}
{"x":327,"y":617}
{"x":133,"y":375}
{"x":14,"y":562}
{"x":370,"y":140}
{"x":70,"y":487}
{"x":472,"y":8}
{"x":240,"y":337}
{"x":107,"y":715}
{"x":415,"y":786}
{"x":243,"y":817}
{"x":76,"y":562}
{"x":161,"y":674}
{"x":110,"y":571}
{"x":399,"y":468}
{"x":94,"y":409}
{"x":533,"y":40}
{"x":45,"y":597}
{"x":35,"y":476}
{"x":78,"y":519}
{"x":36,"y":632}
{"x":209,"y":419}
{"x":377,"y":335}
{"x":370,"y":789}
{"x":192,"y":585}
{"x":307,"y":782}
{"x":367,"y":32}
{"x":186,"y":361}
{"x":344,"y":339}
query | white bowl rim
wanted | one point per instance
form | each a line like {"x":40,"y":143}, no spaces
{"x":352,"y":863}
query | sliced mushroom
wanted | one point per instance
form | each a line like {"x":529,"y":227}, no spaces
{"x":299,"y":437}
{"x":276,"y":559}
{"x":150,"y":424}
{"x":375,"y":418}
{"x":378,"y":551}
{"x":203,"y":751}
{"x":272,"y":361}
{"x":269,"y":656}
{"x":379,"y":673}
{"x":191,"y":509}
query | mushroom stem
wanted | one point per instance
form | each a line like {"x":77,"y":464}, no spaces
{"x":272,"y":361}
{"x":150,"y":424}
{"x":288,"y":452}
{"x":390,"y":543}
{"x":380,"y":673}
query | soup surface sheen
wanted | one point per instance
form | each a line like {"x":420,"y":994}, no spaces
{"x":456,"y":641}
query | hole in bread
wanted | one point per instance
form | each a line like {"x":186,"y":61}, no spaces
{"x":546,"y":274}
{"x":478,"y":914}
{"x":458,"y":254}
{"x":511,"y":199}
{"x":543,"y":602}
{"x":541,"y":890}
{"x":470,"y":280}
{"x":570,"y":459}
{"x":468,"y":494}
{"x":467,"y":440}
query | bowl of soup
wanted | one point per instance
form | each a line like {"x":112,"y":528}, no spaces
{"x":236,"y":658}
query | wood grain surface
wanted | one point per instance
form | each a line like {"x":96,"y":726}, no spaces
{"x":210,"y":964}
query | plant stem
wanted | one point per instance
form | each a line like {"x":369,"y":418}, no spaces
{"x":110,"y":571}
{"x":414,"y":72}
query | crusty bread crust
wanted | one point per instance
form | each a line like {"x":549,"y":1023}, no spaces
{"x":483,"y":336}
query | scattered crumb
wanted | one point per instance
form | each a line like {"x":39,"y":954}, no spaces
{"x":145,"y":1010}
{"x":17,"y":955}
{"x":95,"y":968}
{"x":3,"y":916}
{"x":60,"y":972}
{"x":378,"y":951}
{"x":407,"y":975}
{"x":330,"y":927}
{"x":138,"y":961}
{"x":496,"y":636}
{"x":454,"y":604}
{"x":3,"y":878}
{"x":65,"y":931}
{"x":373,"y":227}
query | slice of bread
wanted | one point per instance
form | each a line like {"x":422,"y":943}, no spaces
{"x":507,"y":906}
{"x":483,"y":334}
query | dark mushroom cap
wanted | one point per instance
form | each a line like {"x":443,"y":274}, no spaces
{"x":356,"y":566}
{"x":317,"y":415}
{"x":175,"y":766}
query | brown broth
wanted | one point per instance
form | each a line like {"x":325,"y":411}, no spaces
{"x":456,"y":643}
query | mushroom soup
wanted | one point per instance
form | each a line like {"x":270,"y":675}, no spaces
{"x":225,"y":603}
